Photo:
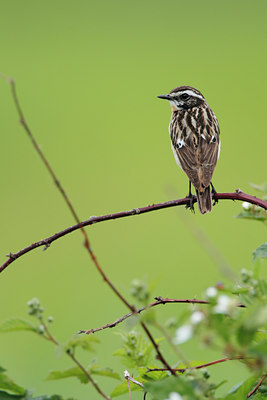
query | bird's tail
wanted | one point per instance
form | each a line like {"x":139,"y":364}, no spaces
{"x":204,"y":200}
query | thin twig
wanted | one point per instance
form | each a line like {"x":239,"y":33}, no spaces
{"x":160,"y":301}
{"x":48,"y":336}
{"x":254,"y":390}
{"x":182,"y":370}
{"x":238,"y":195}
{"x":75,"y":215}
{"x":88,"y":376}
{"x":128,"y":377}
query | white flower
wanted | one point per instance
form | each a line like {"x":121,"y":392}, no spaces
{"x":197,"y":317}
{"x":211,"y":292}
{"x":174,"y":396}
{"x":183,"y":334}
{"x":246,"y":206}
{"x":223,"y":305}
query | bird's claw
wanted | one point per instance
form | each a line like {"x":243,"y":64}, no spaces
{"x":191,"y":203}
{"x":213,"y":192}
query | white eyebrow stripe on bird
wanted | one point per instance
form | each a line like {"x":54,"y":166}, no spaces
{"x":187,"y":91}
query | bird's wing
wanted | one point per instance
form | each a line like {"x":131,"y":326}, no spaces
{"x":198,"y":153}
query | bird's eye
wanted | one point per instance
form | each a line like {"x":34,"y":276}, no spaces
{"x":184,"y":96}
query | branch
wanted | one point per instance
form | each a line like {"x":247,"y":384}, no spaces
{"x":51,"y":338}
{"x":238,"y":195}
{"x":254,"y":390}
{"x":75,"y":215}
{"x":160,"y":301}
{"x":182,"y":370}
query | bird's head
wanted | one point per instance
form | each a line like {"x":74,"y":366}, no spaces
{"x":183,"y":98}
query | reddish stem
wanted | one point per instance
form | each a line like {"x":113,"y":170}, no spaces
{"x":238,"y":195}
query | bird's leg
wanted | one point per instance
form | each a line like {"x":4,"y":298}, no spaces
{"x":191,"y":197}
{"x":213,"y":192}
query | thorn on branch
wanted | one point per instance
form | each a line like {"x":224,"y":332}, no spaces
{"x":92,"y":219}
{"x":136,"y":211}
{"x":11,"y":256}
{"x":160,"y":298}
{"x":47,"y":244}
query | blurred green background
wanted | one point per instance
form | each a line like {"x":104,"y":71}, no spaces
{"x":87,"y":75}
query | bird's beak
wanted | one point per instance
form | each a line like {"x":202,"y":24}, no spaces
{"x":165,"y":96}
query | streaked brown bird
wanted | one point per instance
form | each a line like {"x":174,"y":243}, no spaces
{"x":195,"y":141}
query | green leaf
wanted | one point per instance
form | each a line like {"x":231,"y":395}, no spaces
{"x":252,"y":216}
{"x":8,"y":396}
{"x":17,"y":324}
{"x":260,"y":252}
{"x":136,"y":352}
{"x":74,"y":372}
{"x":241,"y":391}
{"x":8,"y":384}
{"x":86,"y":342}
{"x":123,"y":388}
{"x":108,"y":372}
{"x":153,"y":375}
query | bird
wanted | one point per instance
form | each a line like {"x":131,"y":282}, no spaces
{"x":195,"y":142}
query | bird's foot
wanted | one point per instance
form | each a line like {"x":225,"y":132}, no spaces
{"x":191,"y":203}
{"x":213,"y":192}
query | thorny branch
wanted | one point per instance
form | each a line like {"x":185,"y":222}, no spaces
{"x":238,"y":195}
{"x":160,"y":301}
{"x":79,"y":225}
{"x":182,"y":370}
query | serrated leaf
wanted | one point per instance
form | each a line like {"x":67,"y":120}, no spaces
{"x":153,"y":375}
{"x":108,"y":372}
{"x":136,"y":352}
{"x":123,"y":388}
{"x":260,"y":252}
{"x":17,"y":324}
{"x":86,"y":342}
{"x":74,"y":372}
